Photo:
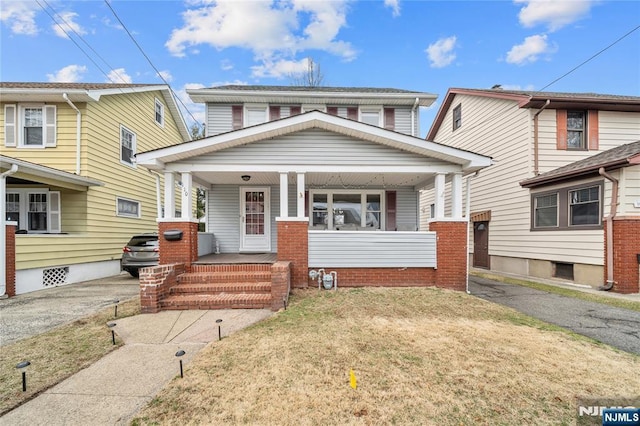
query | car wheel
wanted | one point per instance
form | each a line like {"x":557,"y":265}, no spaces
{"x":134,"y":273}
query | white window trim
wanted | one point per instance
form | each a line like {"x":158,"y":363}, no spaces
{"x":118,"y":214}
{"x":161,"y":105}
{"x":46,"y":126}
{"x":254,"y":107}
{"x":371,"y":109}
{"x":133,"y":149}
{"x":363,"y":194}
{"x":24,"y":194}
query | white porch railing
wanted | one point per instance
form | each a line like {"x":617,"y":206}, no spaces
{"x":372,"y":249}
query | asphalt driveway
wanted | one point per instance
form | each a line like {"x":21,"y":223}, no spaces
{"x":617,"y":327}
{"x":34,"y":313}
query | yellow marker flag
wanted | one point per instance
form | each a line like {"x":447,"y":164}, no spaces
{"x":352,"y":379}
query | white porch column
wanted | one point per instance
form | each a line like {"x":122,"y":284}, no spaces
{"x":439,"y":199}
{"x":456,"y":196}
{"x":284,"y":194}
{"x":300,"y":207}
{"x":187,"y":196}
{"x":169,"y":195}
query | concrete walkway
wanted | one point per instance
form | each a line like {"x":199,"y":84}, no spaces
{"x":114,"y":389}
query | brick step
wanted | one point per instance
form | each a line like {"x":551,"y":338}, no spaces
{"x":233,"y":267}
{"x":216,"y":301}
{"x":213,"y":288}
{"x":224,"y":277}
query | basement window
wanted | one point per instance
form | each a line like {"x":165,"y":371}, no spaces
{"x":563,"y":270}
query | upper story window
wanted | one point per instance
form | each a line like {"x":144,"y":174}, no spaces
{"x":236,"y":117}
{"x":277,"y":112}
{"x":159,"y":112}
{"x":255,"y":114}
{"x":577,"y":130}
{"x":576,"y":207}
{"x":457,"y":117}
{"x":30,"y":126}
{"x":371,"y":115}
{"x":350,"y":112}
{"x":127,"y":146}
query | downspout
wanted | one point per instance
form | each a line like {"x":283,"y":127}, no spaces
{"x":78,"y":128}
{"x":612,"y":213}
{"x":413,"y":116}
{"x":536,"y":172}
{"x":468,"y":215}
{"x":3,"y":229}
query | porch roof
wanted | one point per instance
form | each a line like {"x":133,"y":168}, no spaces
{"x":44,"y":174}
{"x":466,"y":161}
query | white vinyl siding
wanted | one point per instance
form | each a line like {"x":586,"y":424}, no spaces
{"x":403,"y":121}
{"x":629,"y":192}
{"x":349,"y":249}
{"x":219,"y":119}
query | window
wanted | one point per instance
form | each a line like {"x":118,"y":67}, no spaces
{"x":389,"y":118}
{"x":256,"y":114}
{"x":282,"y":111}
{"x":236,"y":117}
{"x":546,"y":211}
{"x":127,"y":146}
{"x":576,"y":121}
{"x":159,"y":112}
{"x":370,"y":116}
{"x":457,"y":117}
{"x":347,"y":210}
{"x":584,"y":206}
{"x":30,"y":126}
{"x":35,"y":210}
{"x":577,"y":207}
{"x":127,"y":208}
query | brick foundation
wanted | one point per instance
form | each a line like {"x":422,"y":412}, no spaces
{"x":10,"y":253}
{"x":155,"y":283}
{"x":626,"y":247}
{"x":382,"y":277}
{"x":280,"y":284}
{"x":182,"y":251}
{"x":452,"y":239}
{"x":293,"y":246}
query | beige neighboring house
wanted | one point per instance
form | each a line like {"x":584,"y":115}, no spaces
{"x":70,"y":183}
{"x":553,"y":228}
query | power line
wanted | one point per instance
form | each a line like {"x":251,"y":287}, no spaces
{"x":151,"y":63}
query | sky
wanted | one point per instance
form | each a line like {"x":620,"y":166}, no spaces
{"x":424,"y":46}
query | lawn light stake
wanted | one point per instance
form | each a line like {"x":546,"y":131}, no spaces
{"x":113,"y":333}
{"x":218,"y":321}
{"x":179,"y":354}
{"x":22,"y":366}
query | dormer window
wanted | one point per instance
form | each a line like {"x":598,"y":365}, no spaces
{"x":371,"y":115}
{"x":457,"y":117}
{"x":159,"y":113}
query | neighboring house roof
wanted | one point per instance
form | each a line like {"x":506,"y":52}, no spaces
{"x":308,"y":94}
{"x":536,"y":100}
{"x":614,"y":158}
{"x":87,"y":92}
{"x":469,"y":161}
{"x":48,"y":173}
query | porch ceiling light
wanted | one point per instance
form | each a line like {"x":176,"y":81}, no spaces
{"x":246,"y":178}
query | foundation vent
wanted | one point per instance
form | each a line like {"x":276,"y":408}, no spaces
{"x":54,"y":276}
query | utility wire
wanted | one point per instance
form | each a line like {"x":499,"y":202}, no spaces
{"x":151,"y":63}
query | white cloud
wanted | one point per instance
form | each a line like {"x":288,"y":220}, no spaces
{"x":68,"y":74}
{"x":441,"y":52}
{"x":119,"y":76}
{"x":166,"y":76}
{"x":226,"y":65}
{"x":20,"y":16}
{"x":280,"y":68}
{"x":555,"y":14}
{"x":66,"y":25}
{"x":530,"y":50}
{"x":394,"y":5}
{"x":272,"y":30}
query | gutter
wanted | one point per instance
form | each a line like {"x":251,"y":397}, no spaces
{"x":468,"y":214}
{"x":3,"y":229}
{"x":536,"y":172}
{"x":612,"y":213}
{"x":78,"y":128}
{"x":413,"y":116}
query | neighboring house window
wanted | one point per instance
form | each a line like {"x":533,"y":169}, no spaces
{"x":577,"y":207}
{"x":457,"y":117}
{"x":236,"y":117}
{"x":371,"y":116}
{"x":30,"y":126}
{"x":36,"y":211}
{"x":577,"y":130}
{"x":159,"y":112}
{"x":546,"y":210}
{"x":347,"y":209}
{"x":127,"y":208}
{"x":127,"y":145}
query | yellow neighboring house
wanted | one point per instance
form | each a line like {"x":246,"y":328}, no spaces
{"x":70,"y":179}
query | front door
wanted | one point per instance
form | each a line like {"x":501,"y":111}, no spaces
{"x":481,"y":244}
{"x":255,"y":220}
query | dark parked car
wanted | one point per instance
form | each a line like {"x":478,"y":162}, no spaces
{"x":141,"y":251}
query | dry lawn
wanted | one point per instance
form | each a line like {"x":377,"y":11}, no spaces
{"x":420,"y":356}
{"x":57,"y":354}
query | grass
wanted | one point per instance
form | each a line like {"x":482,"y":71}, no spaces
{"x":607,"y":300}
{"x":57,"y":354}
{"x":420,"y":356}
